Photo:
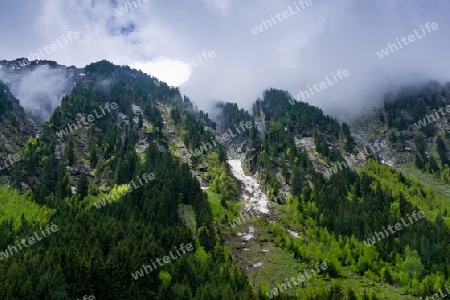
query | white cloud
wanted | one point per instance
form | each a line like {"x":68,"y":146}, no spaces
{"x":160,"y":37}
{"x":174,"y":73}
{"x":222,"y":5}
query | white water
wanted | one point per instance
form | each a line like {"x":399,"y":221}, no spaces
{"x":255,"y":199}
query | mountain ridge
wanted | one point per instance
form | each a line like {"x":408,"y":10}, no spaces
{"x":287,"y":150}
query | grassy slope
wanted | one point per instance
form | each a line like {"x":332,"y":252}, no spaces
{"x":438,"y":186}
{"x":13,"y":206}
{"x":278,"y":263}
{"x":357,"y":283}
{"x":437,"y":201}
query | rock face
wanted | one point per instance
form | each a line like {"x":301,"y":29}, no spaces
{"x":370,"y":134}
{"x":15,"y":129}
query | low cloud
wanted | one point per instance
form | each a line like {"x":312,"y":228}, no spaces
{"x":300,"y":50}
{"x":41,"y":90}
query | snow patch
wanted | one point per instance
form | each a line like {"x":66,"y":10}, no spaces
{"x":294,"y":234}
{"x":255,"y":198}
{"x":247,"y":236}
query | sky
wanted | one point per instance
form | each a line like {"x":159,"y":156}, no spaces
{"x":228,"y":61}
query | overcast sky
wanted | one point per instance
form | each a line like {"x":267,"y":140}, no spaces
{"x":162,"y":37}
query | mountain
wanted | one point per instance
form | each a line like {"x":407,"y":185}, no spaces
{"x":153,"y":199}
{"x":15,"y":129}
{"x":39,"y":84}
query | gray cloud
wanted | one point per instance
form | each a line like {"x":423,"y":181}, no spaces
{"x":300,"y":50}
{"x":40,"y":91}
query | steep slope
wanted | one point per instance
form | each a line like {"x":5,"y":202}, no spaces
{"x":131,"y":171}
{"x":338,"y":218}
{"x":112,"y":244}
{"x":39,"y":84}
{"x":15,"y":129}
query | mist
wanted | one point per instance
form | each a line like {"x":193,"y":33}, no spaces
{"x":40,"y":91}
{"x":302,"y":49}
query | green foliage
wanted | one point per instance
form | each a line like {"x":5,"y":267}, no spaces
{"x":97,"y":249}
{"x":110,"y":243}
{"x":93,"y":159}
{"x":231,"y":116}
{"x":83,"y":186}
{"x":414,"y":100}
{"x":69,"y":153}
{"x":14,"y":207}
{"x":442,"y":151}
{"x":222,"y":182}
{"x":337,"y":215}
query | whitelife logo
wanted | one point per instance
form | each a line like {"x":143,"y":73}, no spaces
{"x":117,"y":195}
{"x":30,"y":240}
{"x":323,"y":85}
{"x":285,"y":14}
{"x":11,"y":158}
{"x":86,"y":297}
{"x":72,"y":127}
{"x":423,"y":122}
{"x":210,"y":53}
{"x":166,"y":259}
{"x":124,"y":10}
{"x":53,"y":47}
{"x":436,"y":296}
{"x":352,"y":162}
{"x":398,"y":227}
{"x":301,"y":278}
{"x":242,"y":218}
{"x":411,"y":38}
{"x":195,"y":62}
{"x":221,"y":139}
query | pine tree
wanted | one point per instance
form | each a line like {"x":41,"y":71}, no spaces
{"x":418,"y":162}
{"x":69,"y":153}
{"x":351,"y":295}
{"x":82,"y":186}
{"x":16,"y":175}
{"x":296,"y":181}
{"x":118,"y":176}
{"x":63,"y":189}
{"x":92,"y":155}
{"x":336,"y":293}
{"x":442,"y":151}
{"x":433,"y":165}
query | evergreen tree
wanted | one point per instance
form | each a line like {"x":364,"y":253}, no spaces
{"x":336,"y":293}
{"x":93,"y":159}
{"x":433,"y":165}
{"x":63,"y":189}
{"x":442,"y":151}
{"x":296,"y":182}
{"x":83,"y":186}
{"x":69,"y":153}
{"x":351,"y":295}
{"x":418,"y":162}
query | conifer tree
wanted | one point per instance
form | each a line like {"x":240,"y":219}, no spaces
{"x":69,"y":153}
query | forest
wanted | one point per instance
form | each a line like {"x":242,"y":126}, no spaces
{"x":60,"y":179}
